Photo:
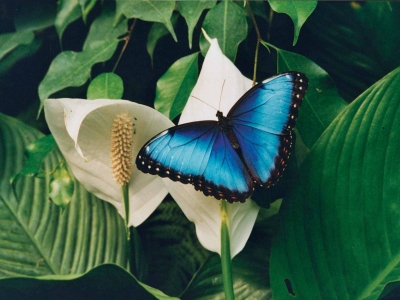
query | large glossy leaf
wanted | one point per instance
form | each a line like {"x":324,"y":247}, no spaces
{"x":36,"y":237}
{"x":104,"y":282}
{"x":298,"y":11}
{"x":191,"y":11}
{"x":71,"y":68}
{"x":152,"y":11}
{"x":339,"y":227}
{"x":226,"y":22}
{"x":355,"y":42}
{"x":322,"y":102}
{"x":174,"y":87}
{"x":68,"y":11}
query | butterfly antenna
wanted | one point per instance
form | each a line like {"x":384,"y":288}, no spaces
{"x":203,"y":102}
{"x":220,"y":96}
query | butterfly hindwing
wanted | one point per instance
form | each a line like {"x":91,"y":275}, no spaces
{"x":198,"y":153}
{"x":262,"y":122}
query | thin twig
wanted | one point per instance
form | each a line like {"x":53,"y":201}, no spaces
{"x":127,"y":38}
{"x":259,"y":39}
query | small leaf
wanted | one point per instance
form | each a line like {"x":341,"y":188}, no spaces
{"x":103,"y":28}
{"x":150,"y":10}
{"x":348,"y":195}
{"x":258,"y":8}
{"x":18,"y":53}
{"x":86,"y":7}
{"x":322,"y":102}
{"x":174,"y":87}
{"x":226,"y":22}
{"x":106,"y":86}
{"x":73,"y":68}
{"x":191,"y":11}
{"x":156,"y":32}
{"x":298,"y":11}
{"x":36,"y":153}
{"x":68,"y":11}
{"x":10,"y":41}
{"x":61,"y":187}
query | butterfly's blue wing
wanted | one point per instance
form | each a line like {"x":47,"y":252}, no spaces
{"x":198,"y":153}
{"x":263,"y":119}
{"x":223,"y":158}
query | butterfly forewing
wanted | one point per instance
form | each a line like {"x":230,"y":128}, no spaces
{"x":262,"y":122}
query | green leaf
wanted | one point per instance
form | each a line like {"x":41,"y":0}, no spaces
{"x":73,"y":68}
{"x":150,"y":10}
{"x":191,"y":11}
{"x":61,"y":187}
{"x":18,"y":53}
{"x":226,"y":22}
{"x":10,"y":41}
{"x":258,"y":8}
{"x":341,"y":27}
{"x":36,"y":152}
{"x":171,"y":247}
{"x":106,"y":86}
{"x":34,"y":16}
{"x":249,"y":269}
{"x":339,"y":226}
{"x":174,"y":87}
{"x":86,"y":7}
{"x":298,"y":11}
{"x":103,"y":28}
{"x":103,"y":282}
{"x":36,"y":237}
{"x":322,"y":102}
{"x":68,"y":11}
{"x":157,"y":31}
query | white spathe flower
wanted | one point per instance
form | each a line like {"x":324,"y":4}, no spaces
{"x":82,"y":130}
{"x":218,"y":74}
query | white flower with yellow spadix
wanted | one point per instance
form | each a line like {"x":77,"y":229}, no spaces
{"x":99,"y":139}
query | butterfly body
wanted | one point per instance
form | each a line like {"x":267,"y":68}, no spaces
{"x":225,"y":158}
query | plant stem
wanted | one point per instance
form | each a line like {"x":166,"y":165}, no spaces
{"x":125,"y":195}
{"x":226,"y":261}
{"x":259,"y":39}
{"x":127,"y":38}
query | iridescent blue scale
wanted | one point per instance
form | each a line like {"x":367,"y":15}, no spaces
{"x":225,"y":158}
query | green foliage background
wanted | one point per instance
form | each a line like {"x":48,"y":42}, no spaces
{"x":336,"y":234}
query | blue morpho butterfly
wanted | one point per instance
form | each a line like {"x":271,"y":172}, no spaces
{"x":225,"y":158}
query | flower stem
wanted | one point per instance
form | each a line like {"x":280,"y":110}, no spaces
{"x":125,"y":194}
{"x":226,"y":260}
